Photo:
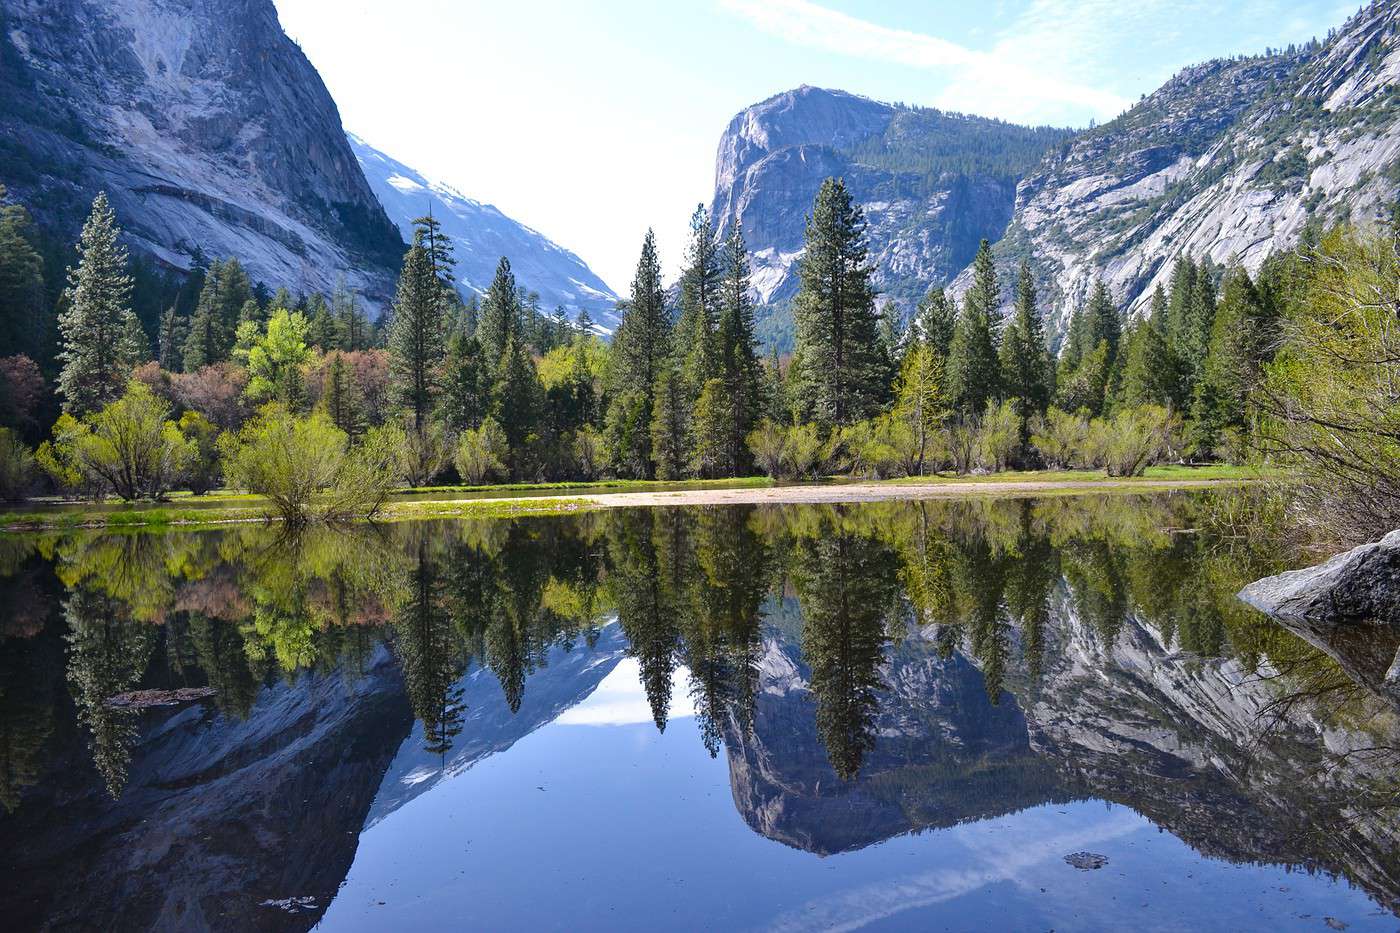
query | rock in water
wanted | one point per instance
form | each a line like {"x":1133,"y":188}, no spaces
{"x":1086,"y":861}
{"x":1361,"y":585}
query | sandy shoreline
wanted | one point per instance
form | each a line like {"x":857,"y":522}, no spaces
{"x":874,"y":492}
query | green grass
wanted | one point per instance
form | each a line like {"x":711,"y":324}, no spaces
{"x":494,"y":501}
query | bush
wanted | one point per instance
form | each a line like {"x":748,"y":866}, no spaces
{"x":294,"y":460}
{"x":590,"y":455}
{"x":1332,"y":393}
{"x":805,"y":453}
{"x":426,"y":453}
{"x":1060,"y":437}
{"x":1132,"y":440}
{"x":481,"y":453}
{"x":998,"y":437}
{"x":129,"y":448}
{"x":768,"y":444}
{"x":960,"y":438}
{"x":202,"y":472}
{"x":17,"y":467}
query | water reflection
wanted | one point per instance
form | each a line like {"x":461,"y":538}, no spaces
{"x":866,"y":671}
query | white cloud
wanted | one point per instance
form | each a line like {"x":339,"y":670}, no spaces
{"x":997,"y":83}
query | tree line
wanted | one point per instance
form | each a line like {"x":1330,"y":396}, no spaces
{"x":492,"y":388}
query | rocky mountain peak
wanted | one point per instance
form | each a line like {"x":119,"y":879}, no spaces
{"x":206,"y":125}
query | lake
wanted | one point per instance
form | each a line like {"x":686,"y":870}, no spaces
{"x":1024,"y":714}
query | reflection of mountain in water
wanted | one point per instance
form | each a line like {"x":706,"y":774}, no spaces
{"x":1206,"y":750}
{"x":566,"y":679}
{"x":218,"y":814}
{"x":943,"y":755}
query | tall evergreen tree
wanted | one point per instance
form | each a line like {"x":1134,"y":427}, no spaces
{"x":671,"y":440}
{"x":740,"y":369}
{"x":517,"y":402}
{"x":1026,"y":372}
{"x":170,"y":341}
{"x":96,"y":351}
{"x":845,"y":372}
{"x":501,"y":314}
{"x":640,"y":348}
{"x":338,"y":396}
{"x":936,"y":320}
{"x":353,"y":323}
{"x":466,"y":385}
{"x":24,"y":320}
{"x":973,"y":370}
{"x":1149,"y":367}
{"x":415,"y":337}
{"x":697,"y":326}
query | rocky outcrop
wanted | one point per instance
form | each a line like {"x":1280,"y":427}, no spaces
{"x":481,"y":235}
{"x":207,"y":127}
{"x":1359,"y":586}
{"x":1229,"y":160}
{"x":932,"y":184}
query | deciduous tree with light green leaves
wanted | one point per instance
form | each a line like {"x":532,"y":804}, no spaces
{"x":276,"y":358}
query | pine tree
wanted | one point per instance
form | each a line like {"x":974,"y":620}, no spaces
{"x":353,"y":323}
{"x":1026,"y":372}
{"x":323,"y":331}
{"x":1104,"y":323}
{"x":438,"y":246}
{"x":225,"y":292}
{"x":170,"y":342}
{"x":96,"y":355}
{"x":640,"y":347}
{"x":740,"y":369}
{"x":845,"y":372}
{"x":974,"y":372}
{"x":670,"y":426}
{"x":517,"y":401}
{"x":466,"y":385}
{"x":936,"y":320}
{"x":698,"y":323}
{"x":415,"y":337}
{"x":24,"y":321}
{"x":338,"y":396}
{"x":1149,"y":367}
{"x":1238,"y":346}
{"x":501,"y":314}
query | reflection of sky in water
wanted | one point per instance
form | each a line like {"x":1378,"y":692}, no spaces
{"x":618,"y":827}
{"x":620,"y":700}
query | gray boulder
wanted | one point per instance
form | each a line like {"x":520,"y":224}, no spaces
{"x":1361,"y":585}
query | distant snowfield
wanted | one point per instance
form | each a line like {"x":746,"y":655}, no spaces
{"x":481,"y":234}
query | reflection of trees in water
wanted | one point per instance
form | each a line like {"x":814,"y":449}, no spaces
{"x":107,"y":654}
{"x":429,"y":650}
{"x":846,"y":587}
{"x":976,"y":577}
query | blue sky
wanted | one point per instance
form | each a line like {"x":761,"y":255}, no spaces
{"x":591,"y":121}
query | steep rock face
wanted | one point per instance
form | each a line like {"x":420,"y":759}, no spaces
{"x":206,"y":125}
{"x":932,"y":184}
{"x":228,"y":813}
{"x":1228,"y":160}
{"x":481,"y":235}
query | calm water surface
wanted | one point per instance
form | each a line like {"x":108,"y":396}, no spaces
{"x":885,"y":716}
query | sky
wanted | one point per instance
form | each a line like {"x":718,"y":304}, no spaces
{"x":592,"y":120}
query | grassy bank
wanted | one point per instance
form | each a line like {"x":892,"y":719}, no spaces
{"x":223,"y":507}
